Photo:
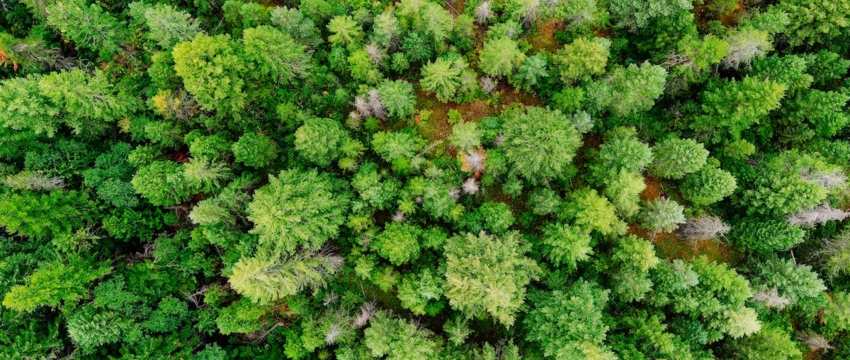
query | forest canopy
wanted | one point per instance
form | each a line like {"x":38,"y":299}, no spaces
{"x":424,"y":179}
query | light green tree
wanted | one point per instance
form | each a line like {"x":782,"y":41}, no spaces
{"x":212,"y":69}
{"x":266,"y":278}
{"x":674,"y":158}
{"x":500,"y":57}
{"x":297,"y":209}
{"x":539,"y":143}
{"x":582,"y":58}
{"x":487,"y":275}
{"x":275,"y":54}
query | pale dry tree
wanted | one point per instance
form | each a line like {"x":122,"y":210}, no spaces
{"x":499,"y":139}
{"x":363,"y":107}
{"x":746,"y":45}
{"x":367,"y":310}
{"x":818,"y":215}
{"x":399,"y":216}
{"x":772,"y":299}
{"x":531,"y":14}
{"x":828,"y":179}
{"x":470,"y":186}
{"x":30,"y":180}
{"x":378,"y":109}
{"x":473,"y":160}
{"x":355,"y":119}
{"x":454,"y":193}
{"x":333,"y":333}
{"x":488,"y":85}
{"x":483,"y":13}
{"x":330,"y":298}
{"x":703,"y":228}
{"x":815,"y":341}
{"x":375,"y":53}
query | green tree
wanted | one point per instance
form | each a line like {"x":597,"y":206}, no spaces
{"x":663,"y":215}
{"x":623,"y":190}
{"x":638,"y":14}
{"x":266,"y":278}
{"x":500,"y":57}
{"x":621,"y":151}
{"x":539,"y":143}
{"x":782,"y":187}
{"x":764,"y":235}
{"x":111,"y":177}
{"x":88,"y":26}
{"x":769,"y":343}
{"x":815,"y":22}
{"x":320,"y":140}
{"x":674,"y":158}
{"x":531,"y":73}
{"x":297,"y":209}
{"x":345,"y":31}
{"x":635,"y":88}
{"x":442,"y":77}
{"x":751,"y":100}
{"x":793,"y":282}
{"x":582,"y":58}
{"x":398,"y":243}
{"x":275,"y":54}
{"x":589,"y":211}
{"x":634,"y":258}
{"x":569,"y":324}
{"x":708,"y":185}
{"x":26,"y":108}
{"x":54,"y":283}
{"x":168,"y":26}
{"x":465,"y":136}
{"x":294,"y":23}
{"x":163,"y":183}
{"x":396,"y":339}
{"x":211,"y":68}
{"x":487,"y":275}
{"x":566,"y":245}
{"x":255,"y":150}
{"x":397,"y":96}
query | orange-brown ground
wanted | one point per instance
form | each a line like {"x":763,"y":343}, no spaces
{"x":543,"y":37}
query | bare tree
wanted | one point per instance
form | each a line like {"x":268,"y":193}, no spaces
{"x":375,"y":53}
{"x":483,"y":13}
{"x":817,"y":216}
{"x":470,"y":186}
{"x":828,"y":179}
{"x":488,"y":85}
{"x":772,"y":299}
{"x":367,"y":310}
{"x":333,"y":333}
{"x":30,"y":180}
{"x":703,"y":228}
{"x":377,"y":106}
{"x":815,"y":341}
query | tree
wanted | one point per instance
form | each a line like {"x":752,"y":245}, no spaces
{"x":582,"y":58}
{"x":275,"y":54}
{"x":442,"y":77}
{"x":163,"y":183}
{"x":398,"y":243}
{"x":255,"y":150}
{"x":569,"y":324}
{"x":793,"y":282}
{"x":494,"y":217}
{"x":635,"y":14}
{"x":487,"y":275}
{"x":212,"y":69}
{"x":293,"y":22}
{"x":387,"y":29}
{"x":764,"y":235}
{"x":56,"y":282}
{"x":531,"y":73}
{"x":395,"y":146}
{"x":634,"y":258}
{"x":465,"y":136}
{"x":708,"y":185}
{"x":345,"y":31}
{"x":623,"y":190}
{"x":752,"y":100}
{"x":27,"y":108}
{"x":320,"y":140}
{"x":396,"y":339}
{"x":297,"y":209}
{"x":398,"y":97}
{"x":769,"y":343}
{"x":815,"y":22}
{"x":500,"y":57}
{"x":621,"y":151}
{"x":663,"y":215}
{"x":206,"y":174}
{"x":111,"y":176}
{"x":782,"y":187}
{"x":589,"y":211}
{"x":539,"y":143}
{"x":674,"y":158}
{"x":88,"y":26}
{"x":168,"y":26}
{"x":266,"y":278}
{"x":745,"y":45}
{"x":635,"y":88}
{"x":566,"y":245}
